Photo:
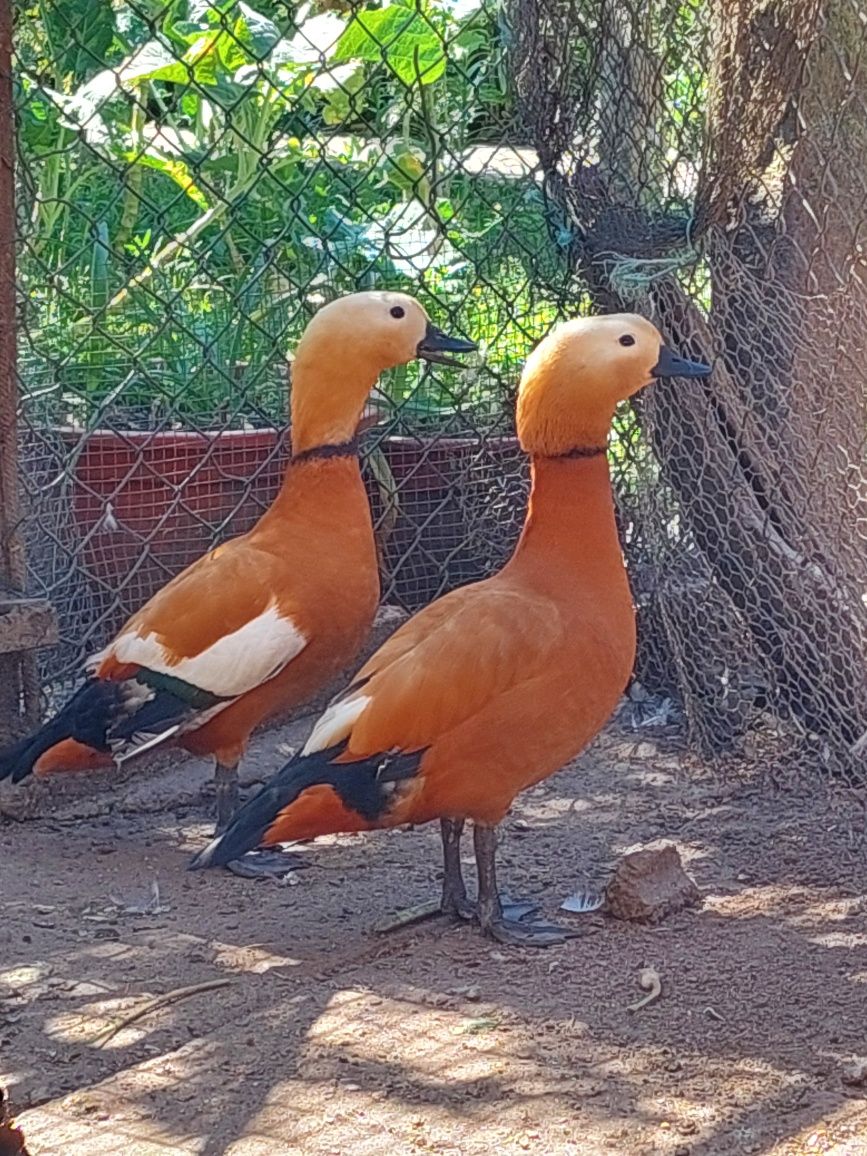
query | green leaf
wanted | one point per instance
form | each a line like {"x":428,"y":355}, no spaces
{"x":340,"y":86}
{"x":230,"y":55}
{"x":38,"y":116}
{"x":218,"y":62}
{"x":256,"y":32}
{"x":201,"y":59}
{"x":190,"y":19}
{"x":81,"y":30}
{"x":153,"y":61}
{"x":172,"y":167}
{"x":398,"y":37}
{"x":405,"y":165}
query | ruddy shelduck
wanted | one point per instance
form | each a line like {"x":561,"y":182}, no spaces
{"x":264,"y":620}
{"x":495,"y":686}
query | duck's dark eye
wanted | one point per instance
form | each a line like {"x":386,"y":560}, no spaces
{"x":626,"y":339}
{"x":398,"y":311}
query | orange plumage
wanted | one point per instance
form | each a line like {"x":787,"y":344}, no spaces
{"x":263,"y":621}
{"x":68,"y":755}
{"x":495,"y":686}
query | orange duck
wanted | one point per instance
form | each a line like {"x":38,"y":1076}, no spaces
{"x":496,"y":685}
{"x":265,"y":620}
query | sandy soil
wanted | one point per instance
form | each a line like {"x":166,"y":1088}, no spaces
{"x":329,"y":1037}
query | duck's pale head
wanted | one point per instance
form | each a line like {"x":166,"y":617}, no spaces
{"x":378,"y":330}
{"x":575,"y":378}
{"x":344,"y":349}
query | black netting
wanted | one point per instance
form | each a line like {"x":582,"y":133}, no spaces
{"x":194,"y":179}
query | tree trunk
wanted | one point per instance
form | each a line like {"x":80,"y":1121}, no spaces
{"x":825,"y":221}
{"x":767,"y":459}
{"x":783,"y":214}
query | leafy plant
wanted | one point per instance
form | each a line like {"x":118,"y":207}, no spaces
{"x":199,"y":176}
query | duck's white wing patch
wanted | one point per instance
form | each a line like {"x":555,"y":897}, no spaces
{"x":131,"y":748}
{"x":335,"y":723}
{"x":231,"y":666}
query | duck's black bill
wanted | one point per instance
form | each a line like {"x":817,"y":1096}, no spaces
{"x":670,"y":365}
{"x":435,"y":345}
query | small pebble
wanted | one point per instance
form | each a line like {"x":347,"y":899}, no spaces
{"x":855,"y":1074}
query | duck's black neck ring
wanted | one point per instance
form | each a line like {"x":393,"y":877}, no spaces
{"x":329,"y":450}
{"x":582,"y":452}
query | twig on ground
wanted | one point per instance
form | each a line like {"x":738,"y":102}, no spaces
{"x":648,"y":980}
{"x":157,"y":1002}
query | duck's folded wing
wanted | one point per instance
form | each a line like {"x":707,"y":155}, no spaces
{"x":219,"y":630}
{"x":445,"y":665}
{"x":439,"y":669}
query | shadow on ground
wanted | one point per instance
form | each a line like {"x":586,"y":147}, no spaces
{"x":329,"y":1038}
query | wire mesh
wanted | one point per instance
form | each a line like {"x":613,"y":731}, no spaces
{"x":195,"y":178}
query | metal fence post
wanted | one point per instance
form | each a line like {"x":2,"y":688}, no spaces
{"x":18,"y":682}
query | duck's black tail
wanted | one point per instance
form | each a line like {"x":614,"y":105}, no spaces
{"x":313,"y":795}
{"x":85,"y":718}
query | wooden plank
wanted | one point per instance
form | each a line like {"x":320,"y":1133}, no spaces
{"x":26,"y":624}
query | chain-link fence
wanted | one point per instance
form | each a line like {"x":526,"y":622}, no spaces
{"x":195,"y":178}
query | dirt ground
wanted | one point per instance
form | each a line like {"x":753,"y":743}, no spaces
{"x":330,"y":1038}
